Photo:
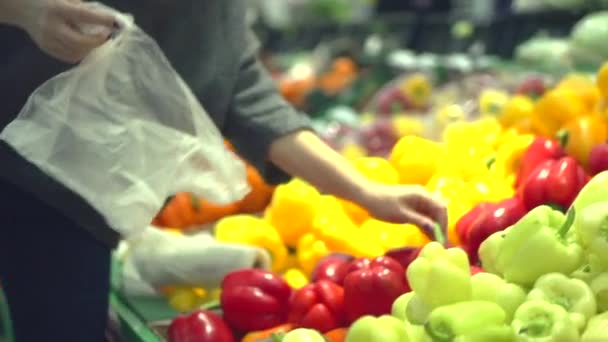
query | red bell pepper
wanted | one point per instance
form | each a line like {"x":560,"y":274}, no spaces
{"x":199,"y":326}
{"x":404,"y":255}
{"x":318,"y":306}
{"x":466,"y":221}
{"x":371,"y":286}
{"x":541,"y":150}
{"x":476,"y":269}
{"x":598,"y":159}
{"x":254,"y":299}
{"x":555,"y":183}
{"x":495,"y":217}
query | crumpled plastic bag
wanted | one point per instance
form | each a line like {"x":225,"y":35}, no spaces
{"x":124,"y":131}
{"x":158,"y":258}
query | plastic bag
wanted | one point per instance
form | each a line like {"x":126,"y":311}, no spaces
{"x":124,"y":131}
{"x":160,"y":258}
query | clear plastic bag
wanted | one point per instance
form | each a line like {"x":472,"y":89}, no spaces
{"x":124,"y":131}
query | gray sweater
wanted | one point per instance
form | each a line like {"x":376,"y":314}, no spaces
{"x":211,"y":47}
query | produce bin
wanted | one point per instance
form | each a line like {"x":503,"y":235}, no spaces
{"x":6,"y":330}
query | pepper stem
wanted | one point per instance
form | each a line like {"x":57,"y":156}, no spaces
{"x":438,"y":233}
{"x":212,"y":305}
{"x":567,"y":224}
{"x":437,"y":335}
{"x":562,"y":137}
{"x":490,"y":161}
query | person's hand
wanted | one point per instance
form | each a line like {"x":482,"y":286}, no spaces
{"x":406,"y":204}
{"x":56,"y":26}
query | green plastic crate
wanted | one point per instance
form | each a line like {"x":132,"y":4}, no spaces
{"x":5,"y":320}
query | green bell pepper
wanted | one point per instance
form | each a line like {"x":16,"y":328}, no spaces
{"x":468,"y":321}
{"x":593,"y":192}
{"x":591,"y":226}
{"x":492,"y":288}
{"x":300,"y":335}
{"x":597,"y":329}
{"x":540,"y":243}
{"x":489,"y":249}
{"x":574,"y":295}
{"x":400,"y":306}
{"x":599,"y":288}
{"x":440,"y":276}
{"x":541,"y":321}
{"x":382,"y":329}
{"x":417,"y":310}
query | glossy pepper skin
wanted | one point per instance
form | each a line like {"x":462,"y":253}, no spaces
{"x":463,"y":225}
{"x":300,"y":335}
{"x":594,"y":191}
{"x":590,"y":225}
{"x":469,"y":321}
{"x":385,"y":328}
{"x":318,"y":306}
{"x":492,"y":288}
{"x":199,"y":326}
{"x":597,"y":328}
{"x":554,"y":182}
{"x":541,"y":150}
{"x":496,"y":217}
{"x":540,"y":243}
{"x":538,"y":320}
{"x":371,"y":286}
{"x":572,"y":294}
{"x":254,"y":299}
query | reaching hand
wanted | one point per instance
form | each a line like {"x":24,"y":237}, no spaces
{"x":406,"y":204}
{"x":56,"y":26}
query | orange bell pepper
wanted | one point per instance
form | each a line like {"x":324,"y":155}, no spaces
{"x":584,"y":133}
{"x":336,"y":335}
{"x":555,"y":108}
{"x":263,"y":335}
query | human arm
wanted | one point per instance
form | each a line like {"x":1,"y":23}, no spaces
{"x":55,"y":25}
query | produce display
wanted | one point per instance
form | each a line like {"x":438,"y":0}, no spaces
{"x":522,"y":166}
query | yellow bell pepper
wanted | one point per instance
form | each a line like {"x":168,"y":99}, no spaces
{"x":340,"y":234}
{"x":292,"y":210}
{"x":585,"y":88}
{"x":447,"y":185}
{"x":417,"y":88}
{"x":416,"y":159}
{"x":602,"y":80}
{"x":555,"y":108}
{"x":309,"y":252}
{"x":508,"y":156}
{"x":489,"y":187}
{"x":405,"y":125}
{"x":251,"y":230}
{"x":483,"y":135}
{"x":186,"y":298}
{"x":376,"y":169}
{"x":457,"y":208}
{"x":295,"y":278}
{"x":517,"y":113}
{"x":492,"y":102}
{"x":464,"y":163}
{"x":392,"y":235}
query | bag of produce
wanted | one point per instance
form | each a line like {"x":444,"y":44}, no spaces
{"x":124,"y":131}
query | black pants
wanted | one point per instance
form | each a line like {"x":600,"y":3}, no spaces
{"x":54,"y":274}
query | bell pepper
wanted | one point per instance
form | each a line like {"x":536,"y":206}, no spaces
{"x":597,"y":328}
{"x":598,"y":158}
{"x":399,"y":308}
{"x":496,"y":217}
{"x":492,"y":288}
{"x":599,"y":287}
{"x":554,"y":182}
{"x":489,"y":187}
{"x":439,"y":277}
{"x":538,"y":320}
{"x":393,"y":235}
{"x":332,"y":226}
{"x":583,"y":133}
{"x":382,"y":329}
{"x":372,"y":285}
{"x":416,"y":159}
{"x":332,"y":267}
{"x":509,"y":155}
{"x":554,"y":109}
{"x":251,"y":230}
{"x":591,"y":225}
{"x":259,"y":336}
{"x":518,"y":109}
{"x":295,"y":278}
{"x":572,"y":294}
{"x":310,"y":251}
{"x":318,"y":306}
{"x":292,"y":210}
{"x":465,"y":222}
{"x":404,"y":256}
{"x":594,"y":191}
{"x":300,"y":335}
{"x":253,"y":299}
{"x":469,"y":321}
{"x":540,"y":150}
{"x":540,"y":243}
{"x":199,"y":326}
{"x":336,"y":335}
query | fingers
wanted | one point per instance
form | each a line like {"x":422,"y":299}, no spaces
{"x":434,"y":209}
{"x":80,"y":14}
{"x":423,"y":222}
{"x":77,"y":45}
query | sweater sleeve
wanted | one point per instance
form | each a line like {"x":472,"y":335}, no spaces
{"x":258,"y":114}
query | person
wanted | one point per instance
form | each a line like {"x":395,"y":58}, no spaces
{"x":54,"y":248}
